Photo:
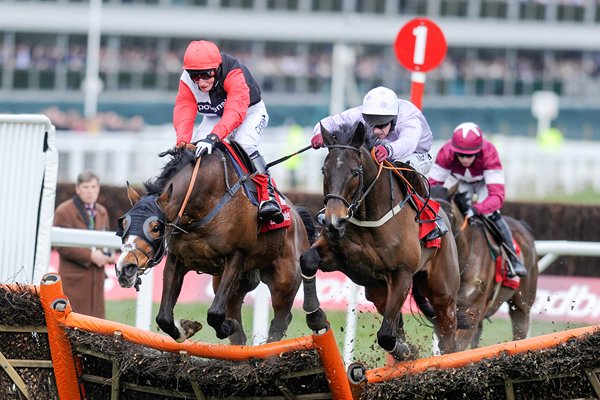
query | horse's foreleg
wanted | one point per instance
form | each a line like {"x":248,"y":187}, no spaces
{"x":173,"y":275}
{"x":315,"y":316}
{"x":229,"y":283}
{"x":391,"y":334}
{"x":283,"y":281}
{"x":519,"y":317}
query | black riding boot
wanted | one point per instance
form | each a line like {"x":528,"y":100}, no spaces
{"x":267,"y":209}
{"x":515,"y":267}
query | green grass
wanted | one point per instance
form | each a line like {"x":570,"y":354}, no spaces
{"x":586,"y":197}
{"x":366,"y":349}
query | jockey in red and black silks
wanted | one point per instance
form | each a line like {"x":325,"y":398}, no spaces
{"x":222,"y":89}
{"x":472,"y":162}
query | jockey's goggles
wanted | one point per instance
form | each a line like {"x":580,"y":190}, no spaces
{"x":381,"y":126}
{"x":205,"y":75}
{"x":463,"y":155}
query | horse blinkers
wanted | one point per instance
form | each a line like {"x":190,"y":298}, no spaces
{"x":142,"y":237}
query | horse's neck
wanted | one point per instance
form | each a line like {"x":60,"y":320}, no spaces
{"x":386,"y":193}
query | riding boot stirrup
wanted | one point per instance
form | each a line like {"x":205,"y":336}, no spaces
{"x":270,"y":210}
{"x":515,"y":267}
{"x":440,"y":230}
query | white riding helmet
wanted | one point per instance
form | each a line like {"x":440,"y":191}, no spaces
{"x":380,"y":106}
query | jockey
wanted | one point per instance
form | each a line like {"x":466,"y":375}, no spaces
{"x":222,"y":89}
{"x":398,"y":130}
{"x":473,"y":162}
{"x":397,"y":127}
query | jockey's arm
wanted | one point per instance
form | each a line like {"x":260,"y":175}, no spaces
{"x":184,"y":114}
{"x":349,"y":116}
{"x":236,"y":104}
{"x":409,"y":134}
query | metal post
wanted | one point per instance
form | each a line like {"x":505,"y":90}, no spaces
{"x":92,"y":86}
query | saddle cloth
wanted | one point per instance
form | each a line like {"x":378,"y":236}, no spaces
{"x":502,"y":270}
{"x":427,"y":219}
{"x":260,"y":184}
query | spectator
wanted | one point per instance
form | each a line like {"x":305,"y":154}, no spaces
{"x":82,"y":269}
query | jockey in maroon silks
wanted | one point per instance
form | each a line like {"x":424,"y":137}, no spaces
{"x":473,"y":162}
{"x":222,"y":89}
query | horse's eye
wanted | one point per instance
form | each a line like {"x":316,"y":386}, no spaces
{"x":356,"y":171}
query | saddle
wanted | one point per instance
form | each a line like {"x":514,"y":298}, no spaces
{"x":427,"y":209}
{"x":493,"y":236}
{"x":255,"y":188}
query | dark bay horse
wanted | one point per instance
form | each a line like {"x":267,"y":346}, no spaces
{"x":217,"y":234}
{"x":386,"y":258}
{"x":480,"y":295}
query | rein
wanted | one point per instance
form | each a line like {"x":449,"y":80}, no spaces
{"x":360,"y":195}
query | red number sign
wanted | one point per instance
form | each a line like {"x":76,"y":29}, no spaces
{"x":420,"y":45}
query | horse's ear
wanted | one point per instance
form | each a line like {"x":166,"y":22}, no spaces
{"x":360,"y":134}
{"x":328,"y":138}
{"x":134,"y":197}
{"x":166,"y":196}
{"x":453,"y":190}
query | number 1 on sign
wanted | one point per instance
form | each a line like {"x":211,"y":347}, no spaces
{"x":420,"y":34}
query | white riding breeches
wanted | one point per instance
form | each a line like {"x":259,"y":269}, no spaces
{"x":476,"y":191}
{"x":247,"y":134}
{"x":421,"y":162}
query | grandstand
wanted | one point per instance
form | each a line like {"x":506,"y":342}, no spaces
{"x":500,"y":52}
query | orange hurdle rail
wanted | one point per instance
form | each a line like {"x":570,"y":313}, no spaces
{"x":51,"y":289}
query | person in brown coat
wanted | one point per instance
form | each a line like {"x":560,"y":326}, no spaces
{"x":82,"y":269}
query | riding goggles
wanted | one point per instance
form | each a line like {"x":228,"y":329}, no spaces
{"x":202,"y":74}
{"x":462,"y":155}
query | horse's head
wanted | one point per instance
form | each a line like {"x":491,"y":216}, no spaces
{"x":142,"y":235}
{"x":454,"y":203}
{"x":342,"y":175}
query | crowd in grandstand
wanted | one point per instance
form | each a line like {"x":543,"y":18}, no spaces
{"x":572,"y":73}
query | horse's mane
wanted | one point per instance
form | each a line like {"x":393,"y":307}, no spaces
{"x":345,"y":132}
{"x":180,"y":158}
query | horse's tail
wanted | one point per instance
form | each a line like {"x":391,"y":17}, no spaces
{"x":309,"y":223}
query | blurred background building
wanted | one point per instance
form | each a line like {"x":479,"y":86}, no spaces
{"x":500,"y":53}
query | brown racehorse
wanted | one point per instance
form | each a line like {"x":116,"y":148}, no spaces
{"x":480,"y":295}
{"x":218,"y":234}
{"x":385,"y":258}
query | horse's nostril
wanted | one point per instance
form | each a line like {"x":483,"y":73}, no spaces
{"x":129,"y":270}
{"x":341,"y":224}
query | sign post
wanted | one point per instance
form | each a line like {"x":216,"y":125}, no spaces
{"x":420,"y":47}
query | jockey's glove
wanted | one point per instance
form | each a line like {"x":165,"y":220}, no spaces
{"x":206,"y":145}
{"x":381,"y":153}
{"x":471,"y":212}
{"x":317,"y":141}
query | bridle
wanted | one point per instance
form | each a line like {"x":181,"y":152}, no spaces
{"x":138,"y":225}
{"x":360,"y":194}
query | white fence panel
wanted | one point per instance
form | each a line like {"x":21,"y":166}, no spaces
{"x":531,"y":171}
{"x":29,"y":166}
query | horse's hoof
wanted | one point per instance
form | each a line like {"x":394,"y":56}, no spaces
{"x":189,"y":328}
{"x":317,"y":321}
{"x":228,"y":328}
{"x":404,"y":351}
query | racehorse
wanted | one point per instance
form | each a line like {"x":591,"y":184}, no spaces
{"x":384,"y":255}
{"x":484,"y":287}
{"x":217,"y":233}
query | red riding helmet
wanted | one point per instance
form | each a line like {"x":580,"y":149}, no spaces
{"x":202,"y":55}
{"x":467,"y":138}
